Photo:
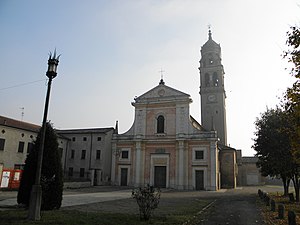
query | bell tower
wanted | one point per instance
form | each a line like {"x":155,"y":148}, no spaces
{"x":212,"y":91}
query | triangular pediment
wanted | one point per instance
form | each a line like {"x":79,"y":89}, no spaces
{"x":162,"y":91}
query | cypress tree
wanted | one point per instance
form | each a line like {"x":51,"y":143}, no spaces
{"x":51,"y":175}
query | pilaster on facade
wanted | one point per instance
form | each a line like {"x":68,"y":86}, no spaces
{"x":181,"y":167}
{"x":139,"y":166}
{"x":214,"y":165}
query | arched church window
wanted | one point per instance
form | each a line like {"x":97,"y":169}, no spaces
{"x":160,"y":124}
{"x":215,"y":80}
{"x":206,"y":80}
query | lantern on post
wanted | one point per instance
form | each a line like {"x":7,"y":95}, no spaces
{"x":34,"y":212}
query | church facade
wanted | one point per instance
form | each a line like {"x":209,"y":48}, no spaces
{"x":167,"y":147}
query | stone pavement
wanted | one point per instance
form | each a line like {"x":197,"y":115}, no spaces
{"x":88,"y":198}
{"x":74,"y":197}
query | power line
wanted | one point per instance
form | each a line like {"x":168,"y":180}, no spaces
{"x":20,"y":85}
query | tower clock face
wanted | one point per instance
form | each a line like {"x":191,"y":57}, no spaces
{"x":211,"y":98}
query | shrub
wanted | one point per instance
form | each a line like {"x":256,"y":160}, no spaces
{"x":147,"y":198}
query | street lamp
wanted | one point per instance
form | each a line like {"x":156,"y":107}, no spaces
{"x":34,"y":212}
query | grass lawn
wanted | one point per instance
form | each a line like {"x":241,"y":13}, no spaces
{"x":272,"y":217}
{"x":167,"y":215}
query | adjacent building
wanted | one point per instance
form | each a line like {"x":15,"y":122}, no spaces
{"x":88,"y":155}
{"x":16,"y":141}
{"x":85,"y":153}
{"x":248,"y":173}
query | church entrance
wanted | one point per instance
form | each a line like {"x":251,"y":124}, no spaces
{"x":160,"y":176}
{"x":199,"y":176}
{"x":124,"y":174}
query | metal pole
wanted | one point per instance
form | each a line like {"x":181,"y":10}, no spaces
{"x":34,"y":212}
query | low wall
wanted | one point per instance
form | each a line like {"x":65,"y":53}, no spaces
{"x":77,"y":184}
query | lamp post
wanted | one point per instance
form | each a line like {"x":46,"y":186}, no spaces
{"x":34,"y":212}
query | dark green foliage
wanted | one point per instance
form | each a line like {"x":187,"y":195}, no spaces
{"x":51,"y":177}
{"x":28,"y":177}
{"x":292,"y":96}
{"x":292,"y":54}
{"x":147,"y":198}
{"x":292,"y":101}
{"x":272,"y":146}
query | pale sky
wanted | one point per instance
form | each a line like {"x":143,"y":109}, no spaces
{"x":113,"y":51}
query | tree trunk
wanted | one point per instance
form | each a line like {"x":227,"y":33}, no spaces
{"x":286,"y":184}
{"x":296,"y":187}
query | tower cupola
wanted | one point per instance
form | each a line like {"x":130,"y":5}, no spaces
{"x":211,"y":46}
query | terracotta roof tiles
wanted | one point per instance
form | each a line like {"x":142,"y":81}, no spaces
{"x":5,"y":121}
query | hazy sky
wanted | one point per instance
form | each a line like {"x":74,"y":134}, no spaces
{"x":113,"y":51}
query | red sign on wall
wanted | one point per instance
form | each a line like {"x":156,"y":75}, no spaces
{"x":11,"y":179}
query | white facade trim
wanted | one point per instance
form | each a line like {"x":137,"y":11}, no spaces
{"x":138,"y":166}
{"x":129,"y":155}
{"x":200,"y":148}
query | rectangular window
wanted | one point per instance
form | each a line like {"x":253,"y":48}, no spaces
{"x":81,"y":172}
{"x":125,"y":155}
{"x":2,"y":143}
{"x":21,"y":146}
{"x":73,"y":139}
{"x":99,"y":139}
{"x":83,"y":152}
{"x":72,"y":154}
{"x":199,"y":155}
{"x":84,"y":139}
{"x":98,"y":154}
{"x":70,"y":172}
{"x":19,"y":166}
{"x":29,"y":147}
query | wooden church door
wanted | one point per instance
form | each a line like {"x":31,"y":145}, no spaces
{"x":124,"y":174}
{"x":160,"y":176}
{"x":199,"y":176}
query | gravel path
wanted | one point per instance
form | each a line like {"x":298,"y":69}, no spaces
{"x":236,"y":207}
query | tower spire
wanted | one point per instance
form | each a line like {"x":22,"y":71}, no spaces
{"x":209,"y":32}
